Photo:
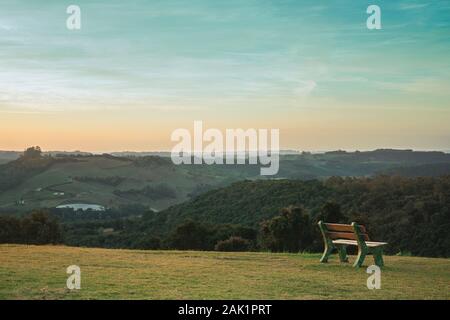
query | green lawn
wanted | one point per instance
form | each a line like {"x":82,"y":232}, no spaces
{"x":39,"y":272}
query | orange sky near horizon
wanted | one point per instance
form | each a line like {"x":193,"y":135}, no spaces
{"x":308,"y":129}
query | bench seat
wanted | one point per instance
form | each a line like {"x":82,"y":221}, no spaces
{"x":355,"y":243}
{"x":339,"y":236}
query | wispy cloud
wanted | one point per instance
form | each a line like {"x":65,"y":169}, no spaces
{"x":420,"y":85}
{"x":412,"y":6}
{"x":161,"y":53}
{"x":305,"y":88}
{"x":6,"y":27}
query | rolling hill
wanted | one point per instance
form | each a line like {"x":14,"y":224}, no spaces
{"x":110,"y":181}
{"x":154,"y":182}
{"x":412,"y":214}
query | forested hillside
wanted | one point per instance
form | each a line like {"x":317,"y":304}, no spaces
{"x":412,"y":214}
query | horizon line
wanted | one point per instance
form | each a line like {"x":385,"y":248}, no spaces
{"x":299,"y":151}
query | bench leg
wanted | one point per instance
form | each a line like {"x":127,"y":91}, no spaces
{"x":342,"y":250}
{"x":360,"y":258}
{"x":378,"y":257}
{"x":326,"y":254}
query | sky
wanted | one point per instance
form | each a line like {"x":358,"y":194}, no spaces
{"x":140,"y":69}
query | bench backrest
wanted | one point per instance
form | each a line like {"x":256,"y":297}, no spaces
{"x":334,"y":231}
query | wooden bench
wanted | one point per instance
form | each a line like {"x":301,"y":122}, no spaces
{"x":339,"y":236}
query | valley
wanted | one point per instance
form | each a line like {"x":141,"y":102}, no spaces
{"x":154,"y":182}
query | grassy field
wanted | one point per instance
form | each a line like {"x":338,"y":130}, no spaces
{"x":39,"y":272}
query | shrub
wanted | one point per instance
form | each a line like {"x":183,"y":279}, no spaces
{"x":190,"y":236}
{"x":233,"y":244}
{"x":148,"y":243}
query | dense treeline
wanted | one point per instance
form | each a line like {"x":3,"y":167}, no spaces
{"x":122,"y":233}
{"x":423,"y":170}
{"x":193,"y":235}
{"x":411,"y":214}
{"x":161,"y":191}
{"x":37,"y":228}
{"x":113,"y":181}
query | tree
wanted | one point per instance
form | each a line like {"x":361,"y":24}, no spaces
{"x":290,"y":231}
{"x":32,"y":153}
{"x":39,"y":228}
{"x":190,"y":236}
{"x":36,"y":228}
{"x":331,"y":213}
{"x":10,"y":230}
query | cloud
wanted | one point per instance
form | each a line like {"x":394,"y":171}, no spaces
{"x":6,"y":27}
{"x":419,"y":85}
{"x":412,"y":6}
{"x":305,"y":88}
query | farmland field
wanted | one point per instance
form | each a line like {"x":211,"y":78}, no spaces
{"x":39,"y":272}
